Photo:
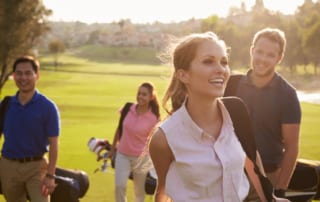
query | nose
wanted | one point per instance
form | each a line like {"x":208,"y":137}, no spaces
{"x":263,"y":57}
{"x":220,"y":69}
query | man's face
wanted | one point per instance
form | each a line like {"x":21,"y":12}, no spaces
{"x":265,"y":55}
{"x":25,"y":77}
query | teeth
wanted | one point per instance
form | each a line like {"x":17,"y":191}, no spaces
{"x":216,"y":80}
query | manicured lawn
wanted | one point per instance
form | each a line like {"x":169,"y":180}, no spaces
{"x":89,"y":96}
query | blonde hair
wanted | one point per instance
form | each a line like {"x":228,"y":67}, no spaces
{"x":182,"y":54}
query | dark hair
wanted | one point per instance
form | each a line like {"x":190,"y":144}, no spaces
{"x":154,"y":104}
{"x":34,"y":62}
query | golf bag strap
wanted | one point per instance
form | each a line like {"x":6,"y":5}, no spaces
{"x":3,"y":108}
{"x":242,"y":124}
{"x":232,"y":85}
{"x":124,"y":112}
{"x":243,"y":129}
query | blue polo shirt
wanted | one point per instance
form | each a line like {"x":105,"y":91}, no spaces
{"x":269,"y":108}
{"x":27,"y":128}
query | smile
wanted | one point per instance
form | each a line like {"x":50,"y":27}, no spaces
{"x":216,"y":81}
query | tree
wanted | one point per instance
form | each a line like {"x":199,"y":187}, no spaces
{"x":311,"y":43}
{"x":308,"y":18}
{"x":294,"y":54}
{"x":209,"y":23}
{"x":22,"y":22}
{"x":56,"y":47}
{"x":94,"y":37}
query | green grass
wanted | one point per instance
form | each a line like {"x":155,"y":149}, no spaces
{"x":310,"y":131}
{"x":129,"y":55}
{"x":89,"y":95}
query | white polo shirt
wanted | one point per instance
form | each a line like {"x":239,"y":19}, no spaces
{"x":204,"y":170}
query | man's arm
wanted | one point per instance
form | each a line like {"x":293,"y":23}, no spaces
{"x":48,"y":183}
{"x":53,"y":155}
{"x":290,"y":135}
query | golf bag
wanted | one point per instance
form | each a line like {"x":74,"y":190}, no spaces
{"x":151,"y":183}
{"x":305,"y":182}
{"x":71,"y":185}
{"x":101,"y":148}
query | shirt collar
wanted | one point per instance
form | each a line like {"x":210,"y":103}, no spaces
{"x":33,"y":99}
{"x":197,"y":132}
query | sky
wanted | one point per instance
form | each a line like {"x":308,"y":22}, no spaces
{"x":148,"y":11}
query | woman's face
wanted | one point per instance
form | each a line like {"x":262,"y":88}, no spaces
{"x":209,"y":71}
{"x":143,"y":96}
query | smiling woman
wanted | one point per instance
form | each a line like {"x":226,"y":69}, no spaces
{"x":136,"y":122}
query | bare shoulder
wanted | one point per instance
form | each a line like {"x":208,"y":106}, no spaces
{"x":160,"y":152}
{"x":159,"y":146}
{"x":158,"y":140}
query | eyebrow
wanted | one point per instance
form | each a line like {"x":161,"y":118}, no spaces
{"x":215,"y":57}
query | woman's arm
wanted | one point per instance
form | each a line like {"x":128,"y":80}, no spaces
{"x":114,"y":144}
{"x":255,"y":181}
{"x":162,"y":157}
{"x":253,"y":177}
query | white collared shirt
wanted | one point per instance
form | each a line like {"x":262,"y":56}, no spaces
{"x":204,"y":170}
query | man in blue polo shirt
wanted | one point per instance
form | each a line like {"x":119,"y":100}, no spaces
{"x":31,"y":129}
{"x":273,"y":105}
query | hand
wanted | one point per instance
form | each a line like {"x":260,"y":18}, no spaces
{"x":48,"y":186}
{"x":110,"y":153}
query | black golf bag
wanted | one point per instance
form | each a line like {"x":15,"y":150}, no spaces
{"x":305,"y":182}
{"x":151,"y":184}
{"x":71,"y":185}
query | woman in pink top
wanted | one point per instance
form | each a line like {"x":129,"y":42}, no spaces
{"x":137,"y":125}
{"x":195,"y":152}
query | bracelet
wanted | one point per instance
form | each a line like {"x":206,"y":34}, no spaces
{"x":50,"y":176}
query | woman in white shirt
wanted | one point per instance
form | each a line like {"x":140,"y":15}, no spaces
{"x":195,"y":152}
